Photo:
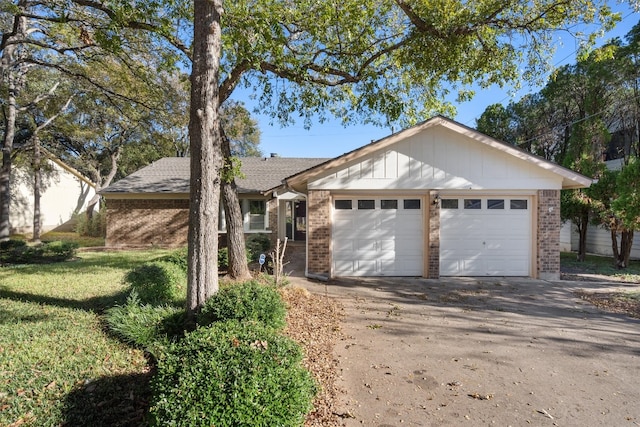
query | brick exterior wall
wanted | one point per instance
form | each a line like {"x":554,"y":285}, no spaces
{"x":150,"y":222}
{"x":319,"y":232}
{"x":548,"y":241}
{"x":433,"y":248}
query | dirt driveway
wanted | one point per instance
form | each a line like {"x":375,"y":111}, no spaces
{"x":505,"y":352}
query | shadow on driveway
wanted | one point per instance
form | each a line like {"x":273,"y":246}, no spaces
{"x":484,"y":351}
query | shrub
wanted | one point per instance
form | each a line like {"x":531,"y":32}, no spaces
{"x":177,"y":257}
{"x":232,"y":374}
{"x":94,"y":227}
{"x":145,"y":325}
{"x":158,"y":282}
{"x":12,"y":244}
{"x":245,"y":301}
{"x":223,"y":258}
{"x":59,"y":250}
{"x":257,"y":244}
{"x":18,"y":252}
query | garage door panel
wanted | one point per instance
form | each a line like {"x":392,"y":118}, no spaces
{"x":485,"y":241}
{"x":381,"y":242}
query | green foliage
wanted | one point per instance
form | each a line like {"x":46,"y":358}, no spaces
{"x":627,"y":204}
{"x":245,"y":301}
{"x":158,"y":282}
{"x":231,"y":374}
{"x":257,"y":244}
{"x":18,"y":252}
{"x":94,"y":227}
{"x":177,"y":257}
{"x":223,"y":258}
{"x":12,"y":244}
{"x":144,"y":325}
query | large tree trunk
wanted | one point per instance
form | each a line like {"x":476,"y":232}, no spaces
{"x":582,"y":231}
{"x":8,"y":58}
{"x":238,"y":268}
{"x":7,"y":149}
{"x":206,"y":155}
{"x":37,"y":187}
{"x":626,"y":242}
{"x":614,"y":246}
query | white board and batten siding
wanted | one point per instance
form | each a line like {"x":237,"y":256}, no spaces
{"x":440,"y":159}
{"x":484,"y":242}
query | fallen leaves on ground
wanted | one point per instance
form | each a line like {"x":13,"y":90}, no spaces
{"x":314,"y":322}
{"x":614,"y":302}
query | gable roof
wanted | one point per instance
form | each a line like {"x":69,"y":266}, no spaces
{"x":170,"y":175}
{"x":570,"y":179}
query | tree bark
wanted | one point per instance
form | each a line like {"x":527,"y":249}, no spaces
{"x":614,"y":246}
{"x":626,"y":242}
{"x":238,"y":268}
{"x":206,"y":155}
{"x":37,"y":187}
{"x":582,"y":231}
{"x":7,"y":149}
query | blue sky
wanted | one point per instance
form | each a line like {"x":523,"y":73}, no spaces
{"x":331,"y":139}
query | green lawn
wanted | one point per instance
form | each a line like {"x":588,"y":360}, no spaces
{"x":57,"y":362}
{"x":601,"y":265}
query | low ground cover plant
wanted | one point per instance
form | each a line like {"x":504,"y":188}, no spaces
{"x":158,"y":282}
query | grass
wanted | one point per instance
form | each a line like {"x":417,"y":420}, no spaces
{"x":57,"y":363}
{"x":601,"y":265}
{"x":82,"y":241}
{"x":67,"y":236}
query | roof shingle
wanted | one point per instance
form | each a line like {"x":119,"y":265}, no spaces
{"x":171,"y":175}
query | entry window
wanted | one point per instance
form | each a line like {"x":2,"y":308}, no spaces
{"x":518,"y":204}
{"x":472,"y":203}
{"x":449,"y":204}
{"x":412,"y":203}
{"x":388,"y":204}
{"x":343,"y":204}
{"x":366,"y":204}
{"x":257,"y":213}
{"x":495,"y":204}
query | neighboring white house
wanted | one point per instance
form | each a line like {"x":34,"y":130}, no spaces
{"x":65,"y":193}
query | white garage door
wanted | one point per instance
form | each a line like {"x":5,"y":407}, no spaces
{"x":489,"y":236}
{"x":377,"y":236}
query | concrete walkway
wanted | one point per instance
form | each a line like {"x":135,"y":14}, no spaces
{"x":506,"y":352}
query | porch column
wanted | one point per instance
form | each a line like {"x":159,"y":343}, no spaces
{"x":548,"y":241}
{"x":319,"y":233}
{"x":433,"y":237}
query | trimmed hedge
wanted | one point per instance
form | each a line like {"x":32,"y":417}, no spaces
{"x":231,"y":374}
{"x":245,"y":301}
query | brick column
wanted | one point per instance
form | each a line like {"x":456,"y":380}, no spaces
{"x":433,"y":237}
{"x":319,"y":233}
{"x":548,"y":242}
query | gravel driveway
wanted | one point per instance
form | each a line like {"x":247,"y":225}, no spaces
{"x":505,"y":352}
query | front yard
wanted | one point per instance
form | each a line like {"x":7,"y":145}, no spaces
{"x":60,"y":366}
{"x":57,"y":363}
